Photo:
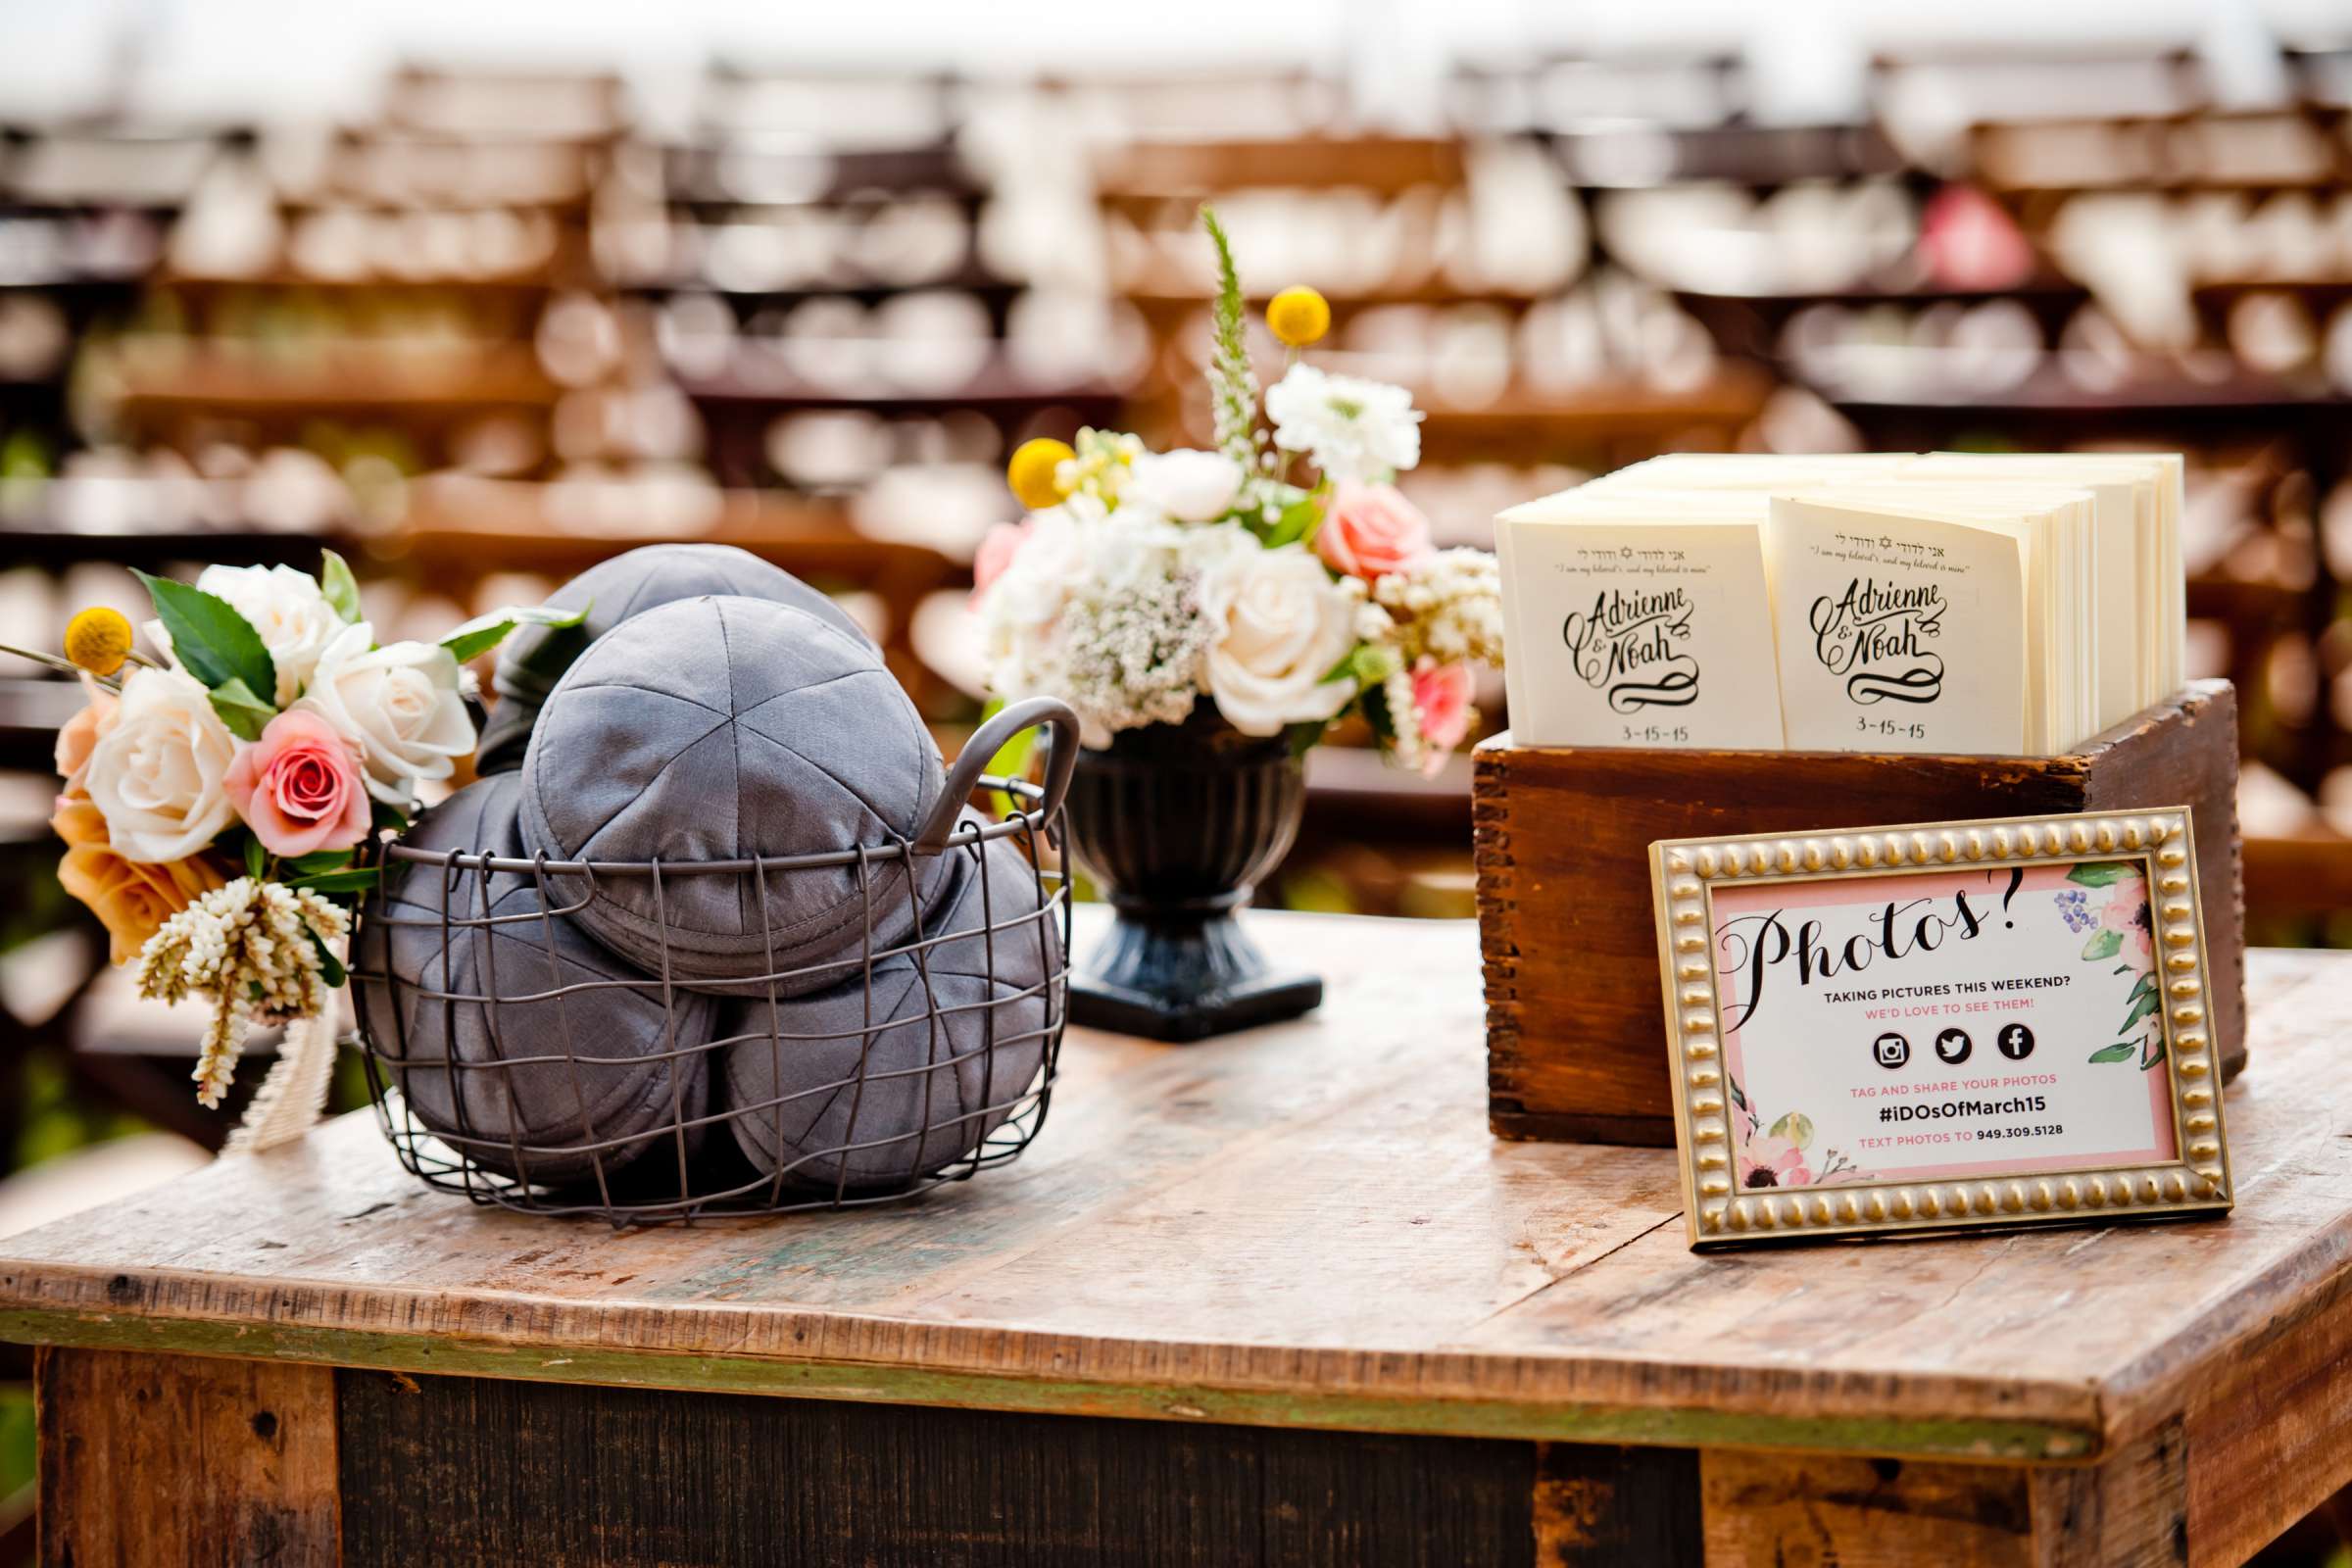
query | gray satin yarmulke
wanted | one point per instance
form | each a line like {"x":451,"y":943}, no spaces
{"x":792,"y":1071}
{"x":565,"y":1074}
{"x":726,"y":728}
{"x":534,"y":658}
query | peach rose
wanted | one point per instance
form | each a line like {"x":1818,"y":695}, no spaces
{"x":132,"y":899}
{"x":80,"y":737}
{"x":1442,"y":710}
{"x":298,"y":787}
{"x":1370,"y":530}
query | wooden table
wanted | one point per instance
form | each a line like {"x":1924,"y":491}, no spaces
{"x":1274,"y":1298}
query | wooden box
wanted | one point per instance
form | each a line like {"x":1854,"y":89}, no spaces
{"x":1576,"y":1047}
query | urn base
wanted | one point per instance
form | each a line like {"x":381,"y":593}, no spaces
{"x":1184,"y":976}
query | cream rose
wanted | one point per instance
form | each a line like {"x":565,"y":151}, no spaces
{"x":286,"y":608}
{"x":401,"y":705}
{"x":1282,"y":625}
{"x":157,"y":775}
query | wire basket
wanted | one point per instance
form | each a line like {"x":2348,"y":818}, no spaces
{"x":909,"y":1066}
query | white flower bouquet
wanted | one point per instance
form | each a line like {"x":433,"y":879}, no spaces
{"x":1282,"y":576}
{"x":220,"y":793}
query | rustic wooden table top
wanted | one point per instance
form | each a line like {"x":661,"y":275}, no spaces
{"x":1308,"y":1225}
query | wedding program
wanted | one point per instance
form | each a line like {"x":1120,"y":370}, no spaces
{"x":2011,"y":604}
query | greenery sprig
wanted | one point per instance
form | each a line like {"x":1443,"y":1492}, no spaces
{"x":1233,"y":384}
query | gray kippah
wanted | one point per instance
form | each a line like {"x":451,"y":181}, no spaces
{"x":949,"y":1061}
{"x":546,"y":1067}
{"x":534,"y":658}
{"x":726,"y":728}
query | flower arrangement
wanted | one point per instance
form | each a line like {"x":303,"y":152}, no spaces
{"x":1142,"y":582}
{"x":2120,"y":929}
{"x":218,"y":793}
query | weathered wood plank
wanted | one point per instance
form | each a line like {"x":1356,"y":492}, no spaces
{"x":149,"y":1459}
{"x":460,"y":1469}
{"x":2128,"y":1511}
{"x":2280,"y":1410}
{"x":1600,"y":1507}
{"x":1305,"y":1225}
{"x":1783,"y":1511}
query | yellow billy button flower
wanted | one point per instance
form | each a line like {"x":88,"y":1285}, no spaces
{"x":1034,"y":471}
{"x":1299,"y":316}
{"x":98,"y":640}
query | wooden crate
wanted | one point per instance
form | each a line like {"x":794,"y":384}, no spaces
{"x":1576,"y":1047}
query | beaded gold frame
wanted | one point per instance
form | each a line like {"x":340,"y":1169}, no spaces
{"x":1720,"y":1213}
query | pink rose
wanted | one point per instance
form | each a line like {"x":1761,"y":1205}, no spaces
{"x":1772,"y":1162}
{"x":1442,"y":710}
{"x":996,"y":549}
{"x":1370,"y":530}
{"x":298,"y":787}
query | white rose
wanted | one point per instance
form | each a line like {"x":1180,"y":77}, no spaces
{"x":399,"y":704}
{"x":1283,"y":625}
{"x":156,"y":776}
{"x":1189,"y":486}
{"x":286,"y":608}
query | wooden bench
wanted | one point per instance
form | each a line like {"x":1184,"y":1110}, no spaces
{"x":1275,"y":1298}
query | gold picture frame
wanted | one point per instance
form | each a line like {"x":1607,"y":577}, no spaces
{"x":1715,"y":1125}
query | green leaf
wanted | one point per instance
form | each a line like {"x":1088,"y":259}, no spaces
{"x":2155,"y":1053}
{"x":1012,"y":759}
{"x":330,"y":968}
{"x":1796,"y":1127}
{"x":356,"y":880}
{"x":245,"y":715}
{"x":257,"y":859}
{"x":381,"y":815}
{"x":1738,"y":1096}
{"x":1297,"y":524}
{"x":2104,"y":873}
{"x":2148,"y":984}
{"x":2147,"y":1002}
{"x":2117,"y":1052}
{"x":485,"y":632}
{"x":1232,"y":384}
{"x":1368,"y":664}
{"x":341,"y":588}
{"x":2103,"y":945}
{"x":320,"y":860}
{"x":215,"y":643}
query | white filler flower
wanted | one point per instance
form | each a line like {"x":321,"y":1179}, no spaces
{"x":1353,"y":429}
{"x":401,"y":705}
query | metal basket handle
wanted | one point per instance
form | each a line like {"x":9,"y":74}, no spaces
{"x":1062,"y":761}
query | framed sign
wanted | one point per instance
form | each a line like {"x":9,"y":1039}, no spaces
{"x":1940,"y":1026}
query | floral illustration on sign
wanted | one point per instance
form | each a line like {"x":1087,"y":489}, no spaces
{"x":1780,"y":1156}
{"x":2109,"y":900}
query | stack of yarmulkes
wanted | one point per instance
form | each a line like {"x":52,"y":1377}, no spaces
{"x":721,"y":933}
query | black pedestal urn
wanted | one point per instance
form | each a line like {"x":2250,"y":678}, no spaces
{"x":1179,"y":821}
